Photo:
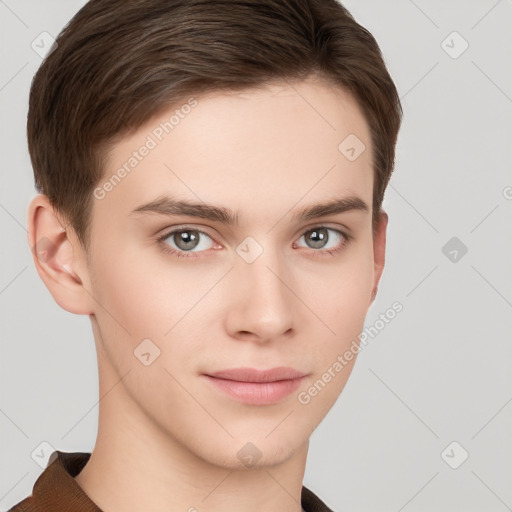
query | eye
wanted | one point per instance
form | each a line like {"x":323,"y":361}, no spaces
{"x":185,"y":240}
{"x":329,"y":240}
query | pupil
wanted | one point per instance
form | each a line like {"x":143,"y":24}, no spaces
{"x":185,"y":240}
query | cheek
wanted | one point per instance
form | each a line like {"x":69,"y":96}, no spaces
{"x":138,"y":292}
{"x":341,"y":291}
{"x":143,"y":298}
{"x":341,"y":302}
{"x":131,"y":305}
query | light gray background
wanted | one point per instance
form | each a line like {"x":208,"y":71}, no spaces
{"x":439,"y":372}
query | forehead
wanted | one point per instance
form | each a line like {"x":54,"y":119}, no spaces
{"x":284,"y":144}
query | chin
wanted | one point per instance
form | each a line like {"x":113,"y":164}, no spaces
{"x":246,"y":453}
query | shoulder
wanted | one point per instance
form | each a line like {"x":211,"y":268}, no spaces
{"x":312,"y":503}
{"x":27,"y":505}
{"x":56,"y":489}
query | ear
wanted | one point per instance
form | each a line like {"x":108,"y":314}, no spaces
{"x":58,"y":256}
{"x":379,"y":251}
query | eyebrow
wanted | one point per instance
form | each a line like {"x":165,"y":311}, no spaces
{"x":169,"y":207}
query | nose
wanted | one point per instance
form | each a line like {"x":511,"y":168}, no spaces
{"x":262,"y":306}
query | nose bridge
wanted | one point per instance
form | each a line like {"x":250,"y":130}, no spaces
{"x":264,"y":271}
{"x":265,"y":305}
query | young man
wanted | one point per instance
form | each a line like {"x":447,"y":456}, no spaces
{"x":211,"y":178}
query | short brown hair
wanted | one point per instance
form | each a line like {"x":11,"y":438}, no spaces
{"x":120,"y":62}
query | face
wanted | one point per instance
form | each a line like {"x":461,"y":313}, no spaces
{"x":210,"y":254}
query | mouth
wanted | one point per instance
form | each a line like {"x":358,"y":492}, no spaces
{"x":256,"y":387}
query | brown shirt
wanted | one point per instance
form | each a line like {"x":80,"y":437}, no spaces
{"x":56,"y":490}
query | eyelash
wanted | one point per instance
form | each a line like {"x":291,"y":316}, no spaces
{"x":188,"y":254}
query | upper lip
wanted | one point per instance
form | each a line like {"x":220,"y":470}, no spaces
{"x":255,"y":375}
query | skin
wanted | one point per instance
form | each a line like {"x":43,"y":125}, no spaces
{"x":166,"y":436}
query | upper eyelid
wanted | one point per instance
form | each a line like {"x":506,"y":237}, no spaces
{"x":170,"y":231}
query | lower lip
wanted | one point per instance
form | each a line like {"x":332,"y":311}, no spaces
{"x":256,"y":393}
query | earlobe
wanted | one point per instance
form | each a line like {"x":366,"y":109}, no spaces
{"x":55,"y":257}
{"x":379,"y":251}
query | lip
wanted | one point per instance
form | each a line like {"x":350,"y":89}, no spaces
{"x":257,"y":387}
